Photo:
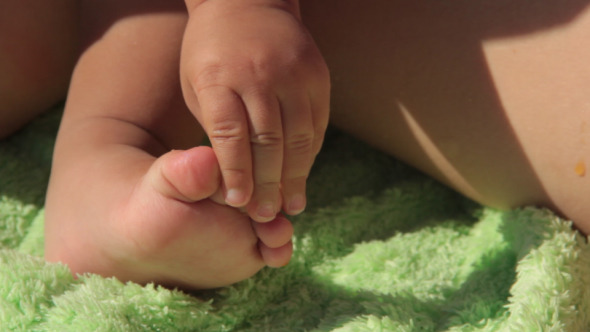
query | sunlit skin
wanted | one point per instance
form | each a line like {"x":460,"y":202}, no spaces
{"x":491,"y":101}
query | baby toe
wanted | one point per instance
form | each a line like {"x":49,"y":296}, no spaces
{"x":276,"y":233}
{"x":276,"y":257}
{"x":189,"y":176}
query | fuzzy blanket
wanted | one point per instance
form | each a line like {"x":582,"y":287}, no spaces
{"x":380,"y":248}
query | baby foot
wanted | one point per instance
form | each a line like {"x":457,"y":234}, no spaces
{"x":165,"y":228}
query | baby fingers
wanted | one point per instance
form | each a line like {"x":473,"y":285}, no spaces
{"x":225,"y":121}
{"x":266,"y":138}
{"x":298,"y":157}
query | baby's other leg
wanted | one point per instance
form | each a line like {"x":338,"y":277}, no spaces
{"x":489,"y":98}
{"x":37,"y":53}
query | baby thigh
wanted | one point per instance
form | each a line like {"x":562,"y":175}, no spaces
{"x":37,"y":54}
{"x":491,"y":101}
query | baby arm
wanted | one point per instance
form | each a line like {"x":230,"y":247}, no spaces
{"x":255,"y":80}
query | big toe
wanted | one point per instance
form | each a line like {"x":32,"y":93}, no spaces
{"x":187,"y":175}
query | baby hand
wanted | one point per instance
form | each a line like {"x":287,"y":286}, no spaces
{"x":254,"y":78}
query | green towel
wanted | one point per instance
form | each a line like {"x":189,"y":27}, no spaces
{"x":380,"y":248}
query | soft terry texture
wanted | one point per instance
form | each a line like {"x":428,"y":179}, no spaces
{"x":381,"y":248}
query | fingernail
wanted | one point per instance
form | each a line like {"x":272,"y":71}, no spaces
{"x":235,"y":197}
{"x":266,"y":210}
{"x":297,"y":204}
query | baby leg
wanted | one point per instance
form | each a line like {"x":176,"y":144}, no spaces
{"x":119,"y":202}
{"x":37,"y":52}
{"x":489,"y":98}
